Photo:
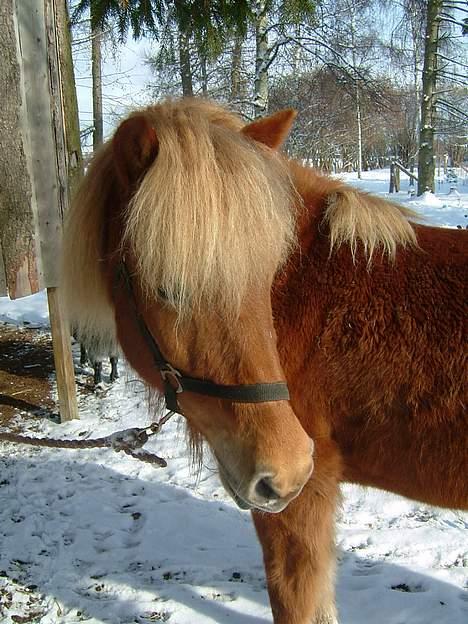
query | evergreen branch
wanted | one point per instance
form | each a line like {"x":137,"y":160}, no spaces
{"x":454,"y":108}
{"x":446,"y":58}
{"x":449,"y":73}
{"x":459,"y":6}
{"x":445,"y":17}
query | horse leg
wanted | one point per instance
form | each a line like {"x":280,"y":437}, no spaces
{"x":83,"y":354}
{"x":298,"y":547}
{"x":97,"y":372}
{"x":114,"y":370}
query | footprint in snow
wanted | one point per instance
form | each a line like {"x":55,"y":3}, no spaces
{"x":367,"y":568}
{"x":360,"y":583}
{"x":154,"y":616}
{"x":229,"y":597}
{"x":411,"y":589}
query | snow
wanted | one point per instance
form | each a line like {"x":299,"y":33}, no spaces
{"x":30,"y":311}
{"x":96,"y":536}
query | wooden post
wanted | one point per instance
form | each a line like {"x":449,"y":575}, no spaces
{"x":61,"y":335}
{"x":63,"y":358}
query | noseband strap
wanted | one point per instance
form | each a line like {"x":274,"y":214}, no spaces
{"x":175,"y":382}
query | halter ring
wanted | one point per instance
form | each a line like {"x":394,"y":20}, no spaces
{"x":169,"y":373}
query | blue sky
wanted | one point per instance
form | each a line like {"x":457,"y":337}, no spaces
{"x":125,"y":80}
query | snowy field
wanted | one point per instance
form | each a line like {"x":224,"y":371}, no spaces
{"x":97,"y":537}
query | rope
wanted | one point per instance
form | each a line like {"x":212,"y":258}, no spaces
{"x":130,"y":441}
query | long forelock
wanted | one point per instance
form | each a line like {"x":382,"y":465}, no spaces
{"x":214,"y":214}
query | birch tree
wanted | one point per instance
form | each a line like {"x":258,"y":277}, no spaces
{"x":443,"y":70}
{"x":275,"y":24}
{"x":426,"y":159}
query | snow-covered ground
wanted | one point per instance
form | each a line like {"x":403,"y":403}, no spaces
{"x":98,"y":537}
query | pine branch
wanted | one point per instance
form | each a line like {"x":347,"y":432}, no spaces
{"x":454,"y":108}
{"x":453,"y":4}
{"x":445,"y":17}
{"x":455,"y":74}
{"x":446,"y":58}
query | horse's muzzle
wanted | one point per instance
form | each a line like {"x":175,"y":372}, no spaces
{"x":264,"y":491}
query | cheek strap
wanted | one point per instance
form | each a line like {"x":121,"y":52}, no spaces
{"x":175,"y":382}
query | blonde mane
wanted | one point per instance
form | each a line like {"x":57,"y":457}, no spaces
{"x":83,"y":288}
{"x":214,"y":214}
{"x":212,"y":217}
{"x":354,"y":216}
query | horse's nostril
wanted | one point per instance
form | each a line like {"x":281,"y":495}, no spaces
{"x":266,"y":490}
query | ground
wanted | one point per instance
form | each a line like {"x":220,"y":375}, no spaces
{"x":26,"y":365}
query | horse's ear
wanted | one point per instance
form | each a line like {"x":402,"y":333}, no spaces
{"x":135,"y":146}
{"x":272,"y":130}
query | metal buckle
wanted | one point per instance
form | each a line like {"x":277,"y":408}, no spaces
{"x":171,"y":373}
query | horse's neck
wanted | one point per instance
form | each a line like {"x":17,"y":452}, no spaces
{"x":297,"y":306}
{"x":313,"y":187}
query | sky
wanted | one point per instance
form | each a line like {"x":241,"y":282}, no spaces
{"x":126,"y":77}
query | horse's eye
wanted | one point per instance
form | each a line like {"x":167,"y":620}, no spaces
{"x":162,"y":294}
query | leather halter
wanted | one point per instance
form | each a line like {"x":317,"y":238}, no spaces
{"x":174,"y":382}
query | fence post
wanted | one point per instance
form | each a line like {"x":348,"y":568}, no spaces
{"x":64,"y":369}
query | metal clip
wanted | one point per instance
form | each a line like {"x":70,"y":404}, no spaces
{"x":171,"y":374}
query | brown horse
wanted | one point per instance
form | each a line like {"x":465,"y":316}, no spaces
{"x":240,"y":268}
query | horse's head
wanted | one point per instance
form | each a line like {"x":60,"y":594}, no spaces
{"x":202,"y":210}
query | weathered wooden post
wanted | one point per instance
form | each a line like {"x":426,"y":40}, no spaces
{"x":33,"y":170}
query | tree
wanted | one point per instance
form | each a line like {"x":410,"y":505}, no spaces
{"x":443,"y":70}
{"x":204,"y":23}
{"x":324,"y":133}
{"x":280,"y":21}
{"x":96,"y":68}
{"x":70,"y":101}
{"x":426,"y":160}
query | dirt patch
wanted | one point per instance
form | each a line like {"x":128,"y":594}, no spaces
{"x":26,"y":368}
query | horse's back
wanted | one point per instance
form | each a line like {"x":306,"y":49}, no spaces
{"x":401,"y":421}
{"x":375,"y":352}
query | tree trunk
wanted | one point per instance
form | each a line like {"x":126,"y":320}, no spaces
{"x":19,"y":269}
{"x":416,"y":27}
{"x":426,"y":164}
{"x":358,"y":93}
{"x":236,"y":66}
{"x":70,"y":101}
{"x":185,"y":64}
{"x":261,"y":59}
{"x":204,"y":73}
{"x":296,"y":50}
{"x":359,"y":132}
{"x":98,"y":126}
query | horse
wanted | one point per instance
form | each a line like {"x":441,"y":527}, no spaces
{"x":310,"y":333}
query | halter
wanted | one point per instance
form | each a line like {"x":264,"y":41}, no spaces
{"x":174,"y":382}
